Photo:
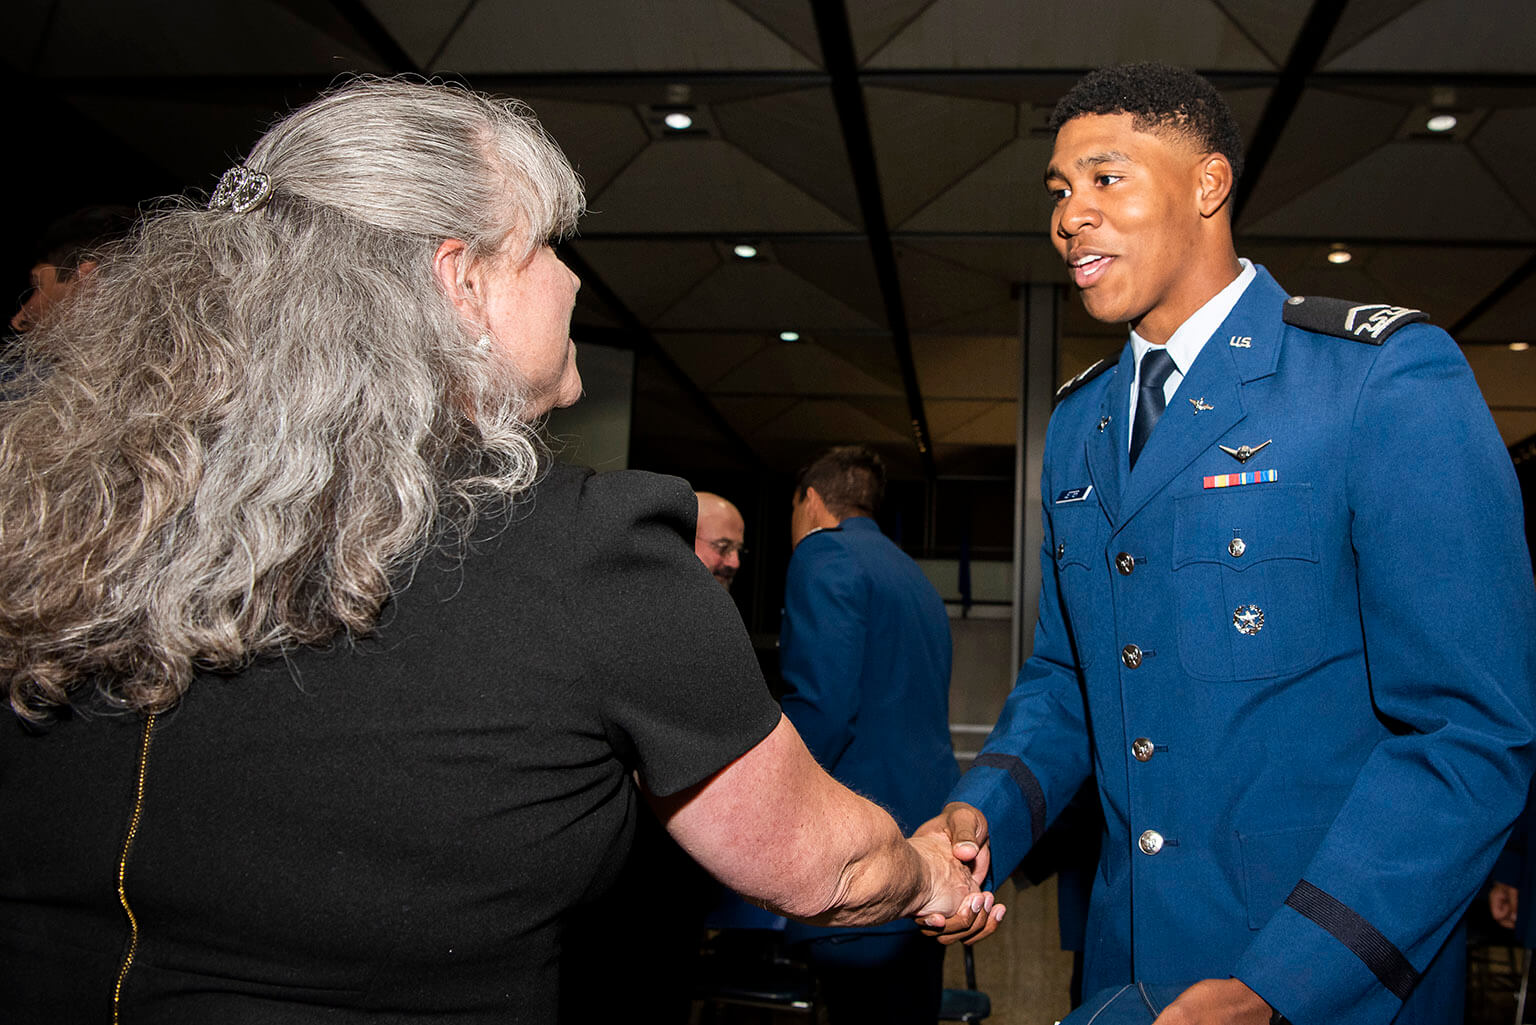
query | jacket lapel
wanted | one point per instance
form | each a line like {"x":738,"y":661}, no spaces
{"x":1244,"y":348}
{"x":1107,"y":449}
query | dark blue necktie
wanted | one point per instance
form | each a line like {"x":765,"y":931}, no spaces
{"x":1156,"y":365}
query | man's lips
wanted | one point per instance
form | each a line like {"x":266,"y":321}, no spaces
{"x":1087,"y":268}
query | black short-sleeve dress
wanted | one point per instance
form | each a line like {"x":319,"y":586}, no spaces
{"x":390,"y":830}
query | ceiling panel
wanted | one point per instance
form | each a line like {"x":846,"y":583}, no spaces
{"x":1449,"y":35}
{"x":797,"y":135}
{"x":1005,"y":33}
{"x":685,"y":184}
{"x":167,"y":38}
{"x":421,"y":29}
{"x":1407,"y":184}
{"x":1272,"y":25}
{"x":650,"y":276}
{"x":556,"y":35}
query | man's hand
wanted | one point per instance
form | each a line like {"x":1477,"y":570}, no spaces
{"x":1217,"y":1002}
{"x":964,"y":828}
{"x":1504,"y":904}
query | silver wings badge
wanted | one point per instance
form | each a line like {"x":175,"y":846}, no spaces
{"x":1243,"y":453}
{"x":1200,"y":405}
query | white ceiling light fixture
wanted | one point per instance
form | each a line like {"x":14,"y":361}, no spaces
{"x":789,"y":336}
{"x":1441,"y":122}
{"x":1340,"y":254}
{"x":745,"y":250}
{"x":678,"y":121}
{"x":1519,"y":346}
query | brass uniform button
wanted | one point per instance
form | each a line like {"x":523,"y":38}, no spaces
{"x":1236,"y":547}
{"x":1125,"y":562}
{"x":1150,"y":842}
{"x":1141,"y":747}
{"x":1131,"y":656}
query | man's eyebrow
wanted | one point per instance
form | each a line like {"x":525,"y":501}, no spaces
{"x":1089,"y":161}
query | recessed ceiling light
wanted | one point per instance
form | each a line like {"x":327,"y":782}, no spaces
{"x":789,"y":336}
{"x":1340,"y":254}
{"x":746,"y":251}
{"x":678,"y":121}
{"x":1519,"y":346}
{"x":1441,"y":123}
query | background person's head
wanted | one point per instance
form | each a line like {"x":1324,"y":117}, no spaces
{"x":257,"y":420}
{"x":1141,"y":177}
{"x":845,"y":481}
{"x":718,"y":539}
{"x":67,"y":254}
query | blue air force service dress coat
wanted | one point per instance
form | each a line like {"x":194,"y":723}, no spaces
{"x":865,"y":652}
{"x":1294,"y":645}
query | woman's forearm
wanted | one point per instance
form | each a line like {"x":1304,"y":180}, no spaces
{"x":777,"y":829}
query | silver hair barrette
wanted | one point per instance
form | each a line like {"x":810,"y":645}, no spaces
{"x":241,"y":190}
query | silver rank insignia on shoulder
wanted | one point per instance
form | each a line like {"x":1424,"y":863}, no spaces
{"x":1103,"y":423}
{"x":1200,"y":405}
{"x":1243,"y":453}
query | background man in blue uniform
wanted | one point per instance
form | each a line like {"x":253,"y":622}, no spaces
{"x":1287,"y":621}
{"x":865,"y":656}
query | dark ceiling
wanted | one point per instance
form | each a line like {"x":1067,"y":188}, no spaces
{"x":884,"y":157}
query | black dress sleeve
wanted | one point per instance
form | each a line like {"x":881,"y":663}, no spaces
{"x":669,"y":664}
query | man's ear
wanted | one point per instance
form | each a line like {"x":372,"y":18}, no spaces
{"x":85,"y":268}
{"x":1215,"y":184}
{"x":458,"y":276}
{"x":818,"y":508}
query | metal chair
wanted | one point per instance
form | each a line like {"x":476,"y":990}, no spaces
{"x":969,"y":1004}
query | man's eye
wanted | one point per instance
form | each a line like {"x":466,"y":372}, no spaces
{"x":1108,"y":179}
{"x":1057,"y":195}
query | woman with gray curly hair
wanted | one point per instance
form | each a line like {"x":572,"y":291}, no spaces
{"x":329,"y":691}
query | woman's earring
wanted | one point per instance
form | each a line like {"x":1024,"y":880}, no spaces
{"x":484,"y":341}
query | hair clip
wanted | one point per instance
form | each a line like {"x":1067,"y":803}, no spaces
{"x":241,"y":190}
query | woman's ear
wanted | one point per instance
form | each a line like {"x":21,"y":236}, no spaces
{"x":456,"y":274}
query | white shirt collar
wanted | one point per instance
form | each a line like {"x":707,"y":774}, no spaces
{"x":1190,"y":338}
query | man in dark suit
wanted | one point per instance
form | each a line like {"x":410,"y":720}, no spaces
{"x":865,"y":655}
{"x":1286,"y":613}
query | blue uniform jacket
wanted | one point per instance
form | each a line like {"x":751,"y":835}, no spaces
{"x":865,"y":654}
{"x":1308,"y":804}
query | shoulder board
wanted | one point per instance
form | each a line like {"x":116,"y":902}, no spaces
{"x":1372,"y":323}
{"x":1082,"y":379}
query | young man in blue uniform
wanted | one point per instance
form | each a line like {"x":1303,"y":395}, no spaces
{"x":1286,"y":612}
{"x":865,"y":654}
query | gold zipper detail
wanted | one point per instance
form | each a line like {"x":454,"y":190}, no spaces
{"x":122,"y":868}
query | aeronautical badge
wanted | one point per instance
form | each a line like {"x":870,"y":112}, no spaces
{"x":1082,"y":379}
{"x":1372,"y":323}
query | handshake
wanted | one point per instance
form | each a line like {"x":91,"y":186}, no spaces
{"x":956,"y":859}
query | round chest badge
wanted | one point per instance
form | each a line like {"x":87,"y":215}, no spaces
{"x":1249,"y":619}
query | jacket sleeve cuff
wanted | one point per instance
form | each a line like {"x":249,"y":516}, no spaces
{"x":1004,"y":789}
{"x":1316,"y":961}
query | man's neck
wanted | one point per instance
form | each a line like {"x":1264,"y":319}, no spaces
{"x":1195,"y":290}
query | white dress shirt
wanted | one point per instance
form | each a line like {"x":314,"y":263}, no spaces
{"x":1189,"y":339}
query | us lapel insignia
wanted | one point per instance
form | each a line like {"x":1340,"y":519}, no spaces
{"x":1103,"y":423}
{"x":1200,"y":405}
{"x":1243,"y":453}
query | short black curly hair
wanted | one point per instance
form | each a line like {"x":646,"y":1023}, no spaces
{"x":1159,"y":97}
